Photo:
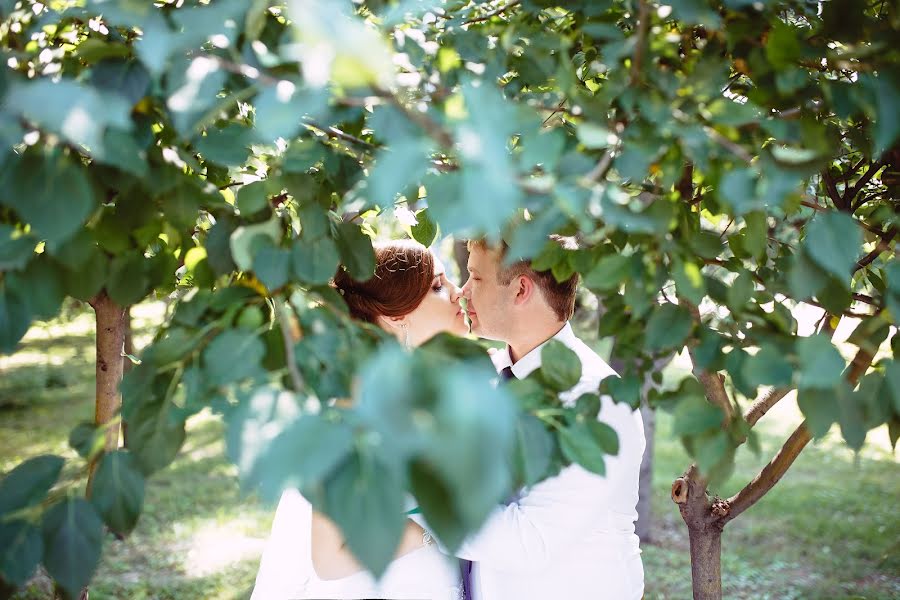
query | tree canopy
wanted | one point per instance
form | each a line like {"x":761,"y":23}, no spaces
{"x":720,"y":162}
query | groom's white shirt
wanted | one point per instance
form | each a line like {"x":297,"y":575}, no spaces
{"x":570,"y":536}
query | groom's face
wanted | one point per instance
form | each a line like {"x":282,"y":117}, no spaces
{"x":489,"y":303}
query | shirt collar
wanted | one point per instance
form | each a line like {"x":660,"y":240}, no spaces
{"x":532,"y":361}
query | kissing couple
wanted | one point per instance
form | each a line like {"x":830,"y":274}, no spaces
{"x":570,"y":536}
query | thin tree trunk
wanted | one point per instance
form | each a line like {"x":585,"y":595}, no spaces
{"x":706,"y":568}
{"x":110,"y":319}
{"x":461,"y":256}
{"x":704,"y":533}
{"x":126,"y":363}
{"x":643,"y":527}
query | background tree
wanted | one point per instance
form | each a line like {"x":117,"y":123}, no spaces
{"x":721,"y":163}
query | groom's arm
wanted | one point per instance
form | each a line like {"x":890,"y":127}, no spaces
{"x":559,"y":510}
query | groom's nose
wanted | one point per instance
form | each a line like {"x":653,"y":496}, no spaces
{"x":466,"y":291}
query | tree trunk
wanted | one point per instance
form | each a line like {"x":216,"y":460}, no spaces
{"x":461,"y":256}
{"x":706,"y":568}
{"x":126,"y":363}
{"x":643,"y":526}
{"x":109,"y":368}
{"x":704,"y":533}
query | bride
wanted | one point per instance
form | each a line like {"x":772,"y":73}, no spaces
{"x":306,"y":557}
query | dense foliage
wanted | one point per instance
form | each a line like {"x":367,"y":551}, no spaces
{"x":720,"y":163}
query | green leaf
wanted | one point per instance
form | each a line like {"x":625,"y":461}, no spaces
{"x":783,"y":46}
{"x":668,"y":327}
{"x":625,"y":389}
{"x":192,"y":87}
{"x":28,"y":483}
{"x":560,"y":366}
{"x":117,"y":491}
{"x":42,"y":283}
{"x":253,"y":197}
{"x":272,"y":266}
{"x":79,"y":113}
{"x":314,"y":221}
{"x":398,"y":169}
{"x":587,"y":443}
{"x":886,"y":89}
{"x":357,"y":254}
{"x":710,"y":449}
{"x":821,"y":365}
{"x":805,"y":277}
{"x":740,"y":291}
{"x":316,"y":261}
{"x":892,"y":383}
{"x":15,"y":249}
{"x":21,"y":548}
{"x":689,"y":281}
{"x":695,"y":415}
{"x":259,"y":417}
{"x":73,"y":538}
{"x":593,"y":136}
{"x":302,"y":455}
{"x":769,"y":366}
{"x":229,"y":145}
{"x":534,"y":449}
{"x":247,"y":240}
{"x":34,"y":186}
{"x":609,"y":273}
{"x":756,"y":233}
{"x":127,"y":282}
{"x":155,"y":435}
{"x":851,"y":416}
{"x":365,"y":499}
{"x":15,"y":319}
{"x":436,"y":502}
{"x":696,"y":12}
{"x":425,"y":231}
{"x":737,"y":190}
{"x":86,"y":439}
{"x":233,"y":355}
{"x":833,"y":241}
{"x":820,"y":408}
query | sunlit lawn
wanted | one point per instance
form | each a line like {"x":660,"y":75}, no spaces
{"x":828,"y":530}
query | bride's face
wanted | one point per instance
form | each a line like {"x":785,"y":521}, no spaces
{"x":439,"y":312}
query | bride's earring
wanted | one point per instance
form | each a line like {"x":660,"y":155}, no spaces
{"x":405,"y":328}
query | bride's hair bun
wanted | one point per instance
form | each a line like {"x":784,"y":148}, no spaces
{"x":404,"y":271}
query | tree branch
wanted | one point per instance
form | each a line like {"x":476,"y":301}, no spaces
{"x":770,"y":474}
{"x":494,"y":13}
{"x":288,"y":336}
{"x":732,"y":147}
{"x":335,"y":133}
{"x":431,"y":127}
{"x":759,"y":408}
{"x":643,"y":27}
{"x":883,"y":245}
{"x":833,"y":193}
{"x":713,"y":383}
{"x":861,"y":183}
{"x":778,"y":466}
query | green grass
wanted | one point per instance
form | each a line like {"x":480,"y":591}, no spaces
{"x":828,"y":530}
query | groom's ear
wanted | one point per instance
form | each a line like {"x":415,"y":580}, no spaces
{"x":525,"y":289}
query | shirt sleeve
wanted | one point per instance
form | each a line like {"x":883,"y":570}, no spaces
{"x":556,"y":511}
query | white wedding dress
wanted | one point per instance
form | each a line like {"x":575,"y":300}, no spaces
{"x":286,"y":571}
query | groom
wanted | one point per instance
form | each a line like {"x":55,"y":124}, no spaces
{"x":570,"y":536}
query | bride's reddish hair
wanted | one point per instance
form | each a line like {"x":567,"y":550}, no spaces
{"x":404,"y":271}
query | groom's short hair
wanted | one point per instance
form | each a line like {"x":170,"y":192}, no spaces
{"x":560,"y":295}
